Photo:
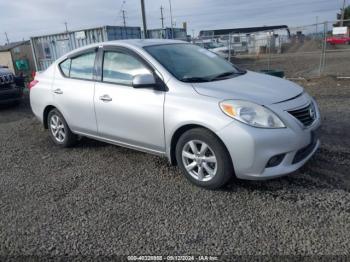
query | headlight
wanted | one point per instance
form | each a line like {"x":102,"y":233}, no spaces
{"x":251,"y":114}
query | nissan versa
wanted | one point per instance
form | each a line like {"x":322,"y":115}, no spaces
{"x":181,"y":101}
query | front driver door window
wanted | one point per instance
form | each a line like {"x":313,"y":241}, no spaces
{"x":120,"y":68}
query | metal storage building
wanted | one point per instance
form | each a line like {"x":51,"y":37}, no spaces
{"x":166,"y":33}
{"x":47,"y":48}
{"x":245,"y":30}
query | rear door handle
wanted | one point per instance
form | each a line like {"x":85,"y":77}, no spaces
{"x":106,"y":98}
{"x":58,"y":91}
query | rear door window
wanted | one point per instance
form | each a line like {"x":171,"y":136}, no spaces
{"x":82,"y":67}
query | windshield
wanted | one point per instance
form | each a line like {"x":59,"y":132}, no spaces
{"x":191,"y":63}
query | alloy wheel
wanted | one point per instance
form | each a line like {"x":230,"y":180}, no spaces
{"x":57,"y":128}
{"x":199,"y":160}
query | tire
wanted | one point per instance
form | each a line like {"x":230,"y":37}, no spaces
{"x":203,"y":171}
{"x":59,"y":130}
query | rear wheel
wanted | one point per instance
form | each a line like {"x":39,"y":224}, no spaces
{"x":60,"y":132}
{"x":204,"y":159}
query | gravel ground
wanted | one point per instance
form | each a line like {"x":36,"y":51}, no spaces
{"x":299,"y":63}
{"x":98,"y":199}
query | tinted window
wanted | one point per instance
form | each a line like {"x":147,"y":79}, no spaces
{"x":120,"y":67}
{"x":65,"y":67}
{"x":186,"y":61}
{"x":82,"y":66}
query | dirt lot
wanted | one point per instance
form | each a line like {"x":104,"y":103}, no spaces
{"x":302,"y":62}
{"x":99,"y":199}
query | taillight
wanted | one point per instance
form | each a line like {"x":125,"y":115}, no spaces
{"x":32,"y":84}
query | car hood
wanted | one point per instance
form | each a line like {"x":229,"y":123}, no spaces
{"x":255,"y":87}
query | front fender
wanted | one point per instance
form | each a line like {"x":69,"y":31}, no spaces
{"x":196,"y":110}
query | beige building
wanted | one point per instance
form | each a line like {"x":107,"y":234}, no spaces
{"x":17,"y":57}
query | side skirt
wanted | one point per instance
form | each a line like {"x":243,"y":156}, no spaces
{"x":123,"y":144}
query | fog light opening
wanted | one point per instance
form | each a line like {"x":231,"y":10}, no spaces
{"x":275,"y":160}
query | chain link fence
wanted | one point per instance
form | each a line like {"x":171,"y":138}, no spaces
{"x":303,"y":51}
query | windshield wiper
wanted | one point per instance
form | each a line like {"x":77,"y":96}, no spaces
{"x":225,"y":74}
{"x":195,"y":79}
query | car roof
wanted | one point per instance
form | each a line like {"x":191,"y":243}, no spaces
{"x":145,"y":42}
{"x":128,"y":43}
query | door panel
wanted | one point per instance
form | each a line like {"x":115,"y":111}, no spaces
{"x":76,"y":103}
{"x":75,"y":97}
{"x":126,"y":114}
{"x":133,"y":116}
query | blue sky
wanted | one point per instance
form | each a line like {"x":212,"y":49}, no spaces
{"x":25,"y":18}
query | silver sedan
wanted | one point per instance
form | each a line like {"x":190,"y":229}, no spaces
{"x":174,"y":99}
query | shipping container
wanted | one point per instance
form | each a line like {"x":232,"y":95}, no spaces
{"x":47,"y":48}
{"x":166,"y":33}
{"x":17,"y":56}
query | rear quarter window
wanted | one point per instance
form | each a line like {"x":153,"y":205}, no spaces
{"x":65,"y":67}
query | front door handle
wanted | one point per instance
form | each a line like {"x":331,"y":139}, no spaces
{"x":106,"y":98}
{"x":58,"y":91}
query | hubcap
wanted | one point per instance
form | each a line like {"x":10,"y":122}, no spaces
{"x":57,"y":128}
{"x":199,"y":160}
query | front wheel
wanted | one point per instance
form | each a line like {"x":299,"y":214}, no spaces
{"x":60,"y":132}
{"x":204,"y":159}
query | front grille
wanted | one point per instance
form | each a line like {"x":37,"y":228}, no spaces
{"x":6,"y":81}
{"x":305,"y":115}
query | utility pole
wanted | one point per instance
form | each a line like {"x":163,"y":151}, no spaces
{"x":171,"y":20}
{"x":7,"y":39}
{"x":161,"y":16}
{"x":124,"y":22}
{"x":316,"y":25}
{"x":342,"y":14}
{"x":144,"y":18}
{"x":66,"y":24}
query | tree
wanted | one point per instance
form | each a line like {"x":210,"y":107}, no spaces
{"x":346,"y":16}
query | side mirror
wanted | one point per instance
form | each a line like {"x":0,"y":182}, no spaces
{"x":144,"y":81}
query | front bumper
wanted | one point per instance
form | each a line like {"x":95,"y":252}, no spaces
{"x":251,"y":148}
